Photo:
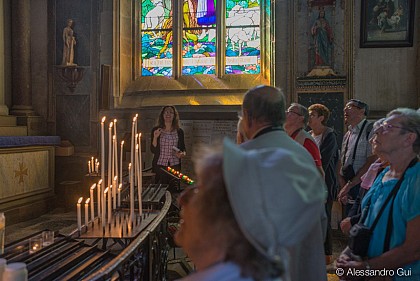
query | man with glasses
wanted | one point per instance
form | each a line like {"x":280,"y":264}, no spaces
{"x":263,"y":116}
{"x":297,"y":117}
{"x":356,"y":152}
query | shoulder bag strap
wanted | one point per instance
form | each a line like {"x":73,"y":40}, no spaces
{"x":389,"y":225}
{"x":355,"y":146}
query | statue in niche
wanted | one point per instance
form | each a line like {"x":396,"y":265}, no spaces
{"x":69,"y":43}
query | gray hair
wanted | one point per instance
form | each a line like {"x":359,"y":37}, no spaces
{"x":302,"y":111}
{"x":410,"y":122}
{"x":266,"y":103}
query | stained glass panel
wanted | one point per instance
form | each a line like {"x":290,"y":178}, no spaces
{"x":199,"y":37}
{"x":156,"y":37}
{"x":243,"y":46}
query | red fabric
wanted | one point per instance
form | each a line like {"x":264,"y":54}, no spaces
{"x":314,"y":151}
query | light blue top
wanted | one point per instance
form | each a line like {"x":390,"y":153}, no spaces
{"x":226,"y":271}
{"x":406,"y":207}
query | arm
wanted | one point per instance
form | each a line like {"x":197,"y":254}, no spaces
{"x":402,"y":255}
{"x":154,"y":148}
{"x":181,"y":144}
{"x":316,"y":155}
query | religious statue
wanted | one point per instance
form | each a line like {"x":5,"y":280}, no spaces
{"x":69,"y":43}
{"x":323,"y":39}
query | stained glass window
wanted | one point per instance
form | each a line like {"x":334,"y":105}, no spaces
{"x":199,"y":53}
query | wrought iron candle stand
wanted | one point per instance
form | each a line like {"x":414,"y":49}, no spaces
{"x":71,"y":74}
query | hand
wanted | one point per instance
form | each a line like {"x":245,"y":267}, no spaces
{"x":345,"y":225}
{"x":157,"y":132}
{"x":343,"y":193}
{"x":180,"y":154}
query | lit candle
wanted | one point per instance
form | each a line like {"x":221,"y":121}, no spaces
{"x":93,"y":165}
{"x":121,"y":160}
{"x":110,"y":154}
{"x":132,"y":142}
{"x":115,"y":149}
{"x":114,"y":192}
{"x":109,"y":206}
{"x":79,"y":214}
{"x":89,"y":168}
{"x":99,"y":195}
{"x":130,"y":171}
{"x":119,"y":194}
{"x":96,"y":165}
{"x":87,"y":212}
{"x":92,"y":205}
{"x":135,"y":143}
{"x":103,"y":149}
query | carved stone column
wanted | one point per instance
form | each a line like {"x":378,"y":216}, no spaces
{"x":3,"y":108}
{"x":21,"y":58}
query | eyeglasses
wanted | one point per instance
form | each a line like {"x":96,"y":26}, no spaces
{"x":291,"y":111}
{"x":385,"y":126}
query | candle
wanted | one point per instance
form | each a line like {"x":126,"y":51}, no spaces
{"x":119,"y":194}
{"x":96,"y":165}
{"x":99,"y":195}
{"x":130,"y":172}
{"x":87,"y":212}
{"x":89,"y":168}
{"x":92,"y":205}
{"x":110,"y":154}
{"x":140,"y":179}
{"x":132,"y":141}
{"x":114,"y":193}
{"x":103,"y":212}
{"x":93,"y":165}
{"x":115,"y":149}
{"x":121,"y":160}
{"x":109,"y":205}
{"x":103,"y":149}
{"x":79,"y":214}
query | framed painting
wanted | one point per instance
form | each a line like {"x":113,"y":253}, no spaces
{"x":387,"y":23}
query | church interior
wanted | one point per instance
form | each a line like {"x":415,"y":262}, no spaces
{"x":80,"y":77}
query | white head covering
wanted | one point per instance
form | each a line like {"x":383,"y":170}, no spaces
{"x":276,"y":196}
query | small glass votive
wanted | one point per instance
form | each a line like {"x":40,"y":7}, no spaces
{"x":47,"y":237}
{"x":35,"y":244}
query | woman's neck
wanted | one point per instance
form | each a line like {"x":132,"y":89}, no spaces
{"x":318,"y":130}
{"x":400,"y":164}
{"x":168,"y":126}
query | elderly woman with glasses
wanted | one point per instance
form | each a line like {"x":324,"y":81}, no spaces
{"x":394,"y":242}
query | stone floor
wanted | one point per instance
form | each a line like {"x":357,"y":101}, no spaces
{"x":179,"y":264}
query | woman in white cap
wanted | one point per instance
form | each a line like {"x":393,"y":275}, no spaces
{"x":234,"y":226}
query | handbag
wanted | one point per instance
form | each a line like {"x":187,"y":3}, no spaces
{"x":360,"y":234}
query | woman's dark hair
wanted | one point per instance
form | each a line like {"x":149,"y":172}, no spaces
{"x":161,"y":120}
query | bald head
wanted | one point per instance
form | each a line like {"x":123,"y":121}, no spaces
{"x":265,"y":104}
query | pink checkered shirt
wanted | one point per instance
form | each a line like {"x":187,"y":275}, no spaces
{"x":167,"y":154}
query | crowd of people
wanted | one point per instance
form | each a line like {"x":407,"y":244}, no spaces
{"x":261,"y":208}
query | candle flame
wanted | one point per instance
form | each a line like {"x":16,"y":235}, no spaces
{"x":129,"y":165}
{"x":100,"y":182}
{"x":137,"y":115}
{"x":103,"y":119}
{"x":93,"y":186}
{"x":122,"y":143}
{"x":80,"y":200}
{"x":87,"y":201}
{"x":106,"y":190}
{"x":115,"y":120}
{"x":120,"y":186}
{"x":115,"y":178}
{"x":134,"y":119}
{"x":139,"y":135}
{"x":114,"y":137}
{"x":137,"y":146}
{"x":110,"y":125}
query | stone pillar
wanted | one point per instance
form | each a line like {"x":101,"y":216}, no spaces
{"x":3,"y":108}
{"x":21,"y":58}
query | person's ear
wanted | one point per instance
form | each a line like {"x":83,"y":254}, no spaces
{"x":322,"y":117}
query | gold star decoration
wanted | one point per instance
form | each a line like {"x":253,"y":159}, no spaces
{"x":21,"y":172}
